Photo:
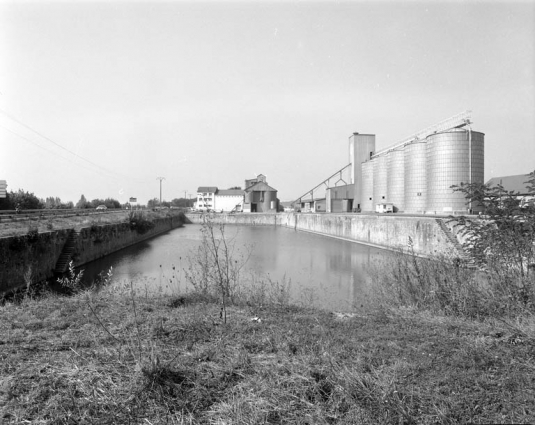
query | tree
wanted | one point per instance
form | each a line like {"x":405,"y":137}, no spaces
{"x":112,"y":203}
{"x":108,"y":202}
{"x":502,"y":240}
{"x":153,"y":203}
{"x":82,"y":203}
{"x":182,"y":202}
{"x":24,"y":200}
{"x":56,"y":203}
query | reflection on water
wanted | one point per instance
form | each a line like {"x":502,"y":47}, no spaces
{"x":332,"y":272}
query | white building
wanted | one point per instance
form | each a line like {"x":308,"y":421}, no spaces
{"x":229,"y":200}
{"x":210,"y":198}
{"x":206,"y":198}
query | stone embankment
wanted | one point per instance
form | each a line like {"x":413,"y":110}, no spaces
{"x":36,"y":256}
{"x":428,"y":236}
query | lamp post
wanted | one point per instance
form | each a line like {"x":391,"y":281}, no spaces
{"x":160,"y":178}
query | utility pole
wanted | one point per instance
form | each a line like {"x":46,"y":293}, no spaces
{"x":160,"y":178}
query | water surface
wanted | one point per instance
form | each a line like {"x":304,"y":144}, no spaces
{"x":327,"y":272}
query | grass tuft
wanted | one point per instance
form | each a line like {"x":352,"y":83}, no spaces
{"x":116,"y":356}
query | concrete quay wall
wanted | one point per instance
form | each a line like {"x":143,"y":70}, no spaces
{"x":34,"y":257}
{"x":392,"y":232}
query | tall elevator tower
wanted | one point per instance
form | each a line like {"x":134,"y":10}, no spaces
{"x":361,"y":149}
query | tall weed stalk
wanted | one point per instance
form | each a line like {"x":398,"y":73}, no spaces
{"x":215,"y":268}
{"x":446,"y":285}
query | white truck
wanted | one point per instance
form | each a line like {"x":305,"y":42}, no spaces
{"x":385,"y":207}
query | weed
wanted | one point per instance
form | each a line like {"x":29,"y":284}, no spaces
{"x":139,"y":222}
{"x":216,"y":267}
{"x":33,"y":234}
{"x":72,"y":280}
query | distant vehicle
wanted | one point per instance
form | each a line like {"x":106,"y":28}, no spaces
{"x":385,"y":207}
{"x":102,"y":207}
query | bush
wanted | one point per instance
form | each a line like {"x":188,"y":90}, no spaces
{"x":442,"y":285}
{"x":139,"y":223}
{"x":499,"y":280}
{"x":502,"y":240}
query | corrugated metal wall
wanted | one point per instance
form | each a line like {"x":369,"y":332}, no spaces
{"x":367,"y":186}
{"x":448,"y":164}
{"x":380,"y":180}
{"x":395,"y":161}
{"x":415,"y":177}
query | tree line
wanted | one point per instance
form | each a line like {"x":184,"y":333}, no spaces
{"x":24,"y":200}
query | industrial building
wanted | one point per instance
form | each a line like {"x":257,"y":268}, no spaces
{"x":257,"y":196}
{"x":517,"y":184}
{"x":414,"y":175}
{"x":210,"y":198}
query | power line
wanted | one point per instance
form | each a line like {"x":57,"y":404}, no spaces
{"x":60,"y":146}
{"x":47,"y":150}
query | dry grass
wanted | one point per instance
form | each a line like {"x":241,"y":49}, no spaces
{"x":113,"y":357}
{"x":20,"y":225}
{"x":451,"y":287}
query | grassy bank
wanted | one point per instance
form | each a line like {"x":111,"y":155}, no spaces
{"x":117,"y":357}
{"x":24,"y":225}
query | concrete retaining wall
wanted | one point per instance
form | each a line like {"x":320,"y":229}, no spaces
{"x":383,"y":231}
{"x":35,"y":256}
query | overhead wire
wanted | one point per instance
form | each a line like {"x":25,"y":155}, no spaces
{"x":102,"y":169}
{"x":45,"y":149}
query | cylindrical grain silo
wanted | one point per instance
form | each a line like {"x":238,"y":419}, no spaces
{"x":395,"y":188}
{"x":270,"y":201}
{"x":380,"y":177}
{"x":367,"y":186}
{"x":415,"y":155}
{"x":477,"y":146}
{"x":453,"y":157}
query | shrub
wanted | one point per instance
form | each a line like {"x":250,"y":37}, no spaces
{"x":215,"y":269}
{"x":436,"y":284}
{"x":139,"y":223}
{"x":501,"y":279}
{"x":502,"y":239}
{"x":33,"y":234}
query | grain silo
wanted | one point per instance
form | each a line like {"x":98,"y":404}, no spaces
{"x":453,"y":157}
{"x":367,"y":186}
{"x":415,"y":176}
{"x":380,"y":175}
{"x":395,"y":162}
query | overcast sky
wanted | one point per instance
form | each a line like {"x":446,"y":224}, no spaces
{"x":212,"y":93}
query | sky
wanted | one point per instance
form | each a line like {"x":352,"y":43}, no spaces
{"x":103,"y":98}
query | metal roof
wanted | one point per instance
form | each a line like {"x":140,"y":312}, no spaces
{"x":209,"y":189}
{"x":516,"y":183}
{"x":230,"y":192}
{"x":260,"y":186}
